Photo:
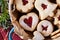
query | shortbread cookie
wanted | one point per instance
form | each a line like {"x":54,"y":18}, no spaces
{"x":45,"y":27}
{"x":29,"y":21}
{"x":56,"y":34}
{"x":45,"y":8}
{"x":38,"y":36}
{"x":57,"y":18}
{"x":58,"y":2}
{"x":24,"y":5}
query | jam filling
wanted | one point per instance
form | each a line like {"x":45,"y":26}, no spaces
{"x":44,"y":28}
{"x":28,"y":21}
{"x":59,"y":18}
{"x":24,"y":2}
{"x":44,"y":6}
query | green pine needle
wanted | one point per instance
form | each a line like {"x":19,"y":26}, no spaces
{"x":4,"y":17}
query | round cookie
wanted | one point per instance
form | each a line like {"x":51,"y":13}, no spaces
{"x":29,"y":21}
{"x":45,"y":27}
{"x":24,"y":5}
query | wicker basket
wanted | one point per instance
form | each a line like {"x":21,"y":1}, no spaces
{"x":14,"y":16}
{"x":14,"y":19}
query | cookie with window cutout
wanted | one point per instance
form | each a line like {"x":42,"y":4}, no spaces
{"x":45,"y":27}
{"x":45,"y":8}
{"x":29,"y":21}
{"x":24,"y":5}
{"x":57,"y":18}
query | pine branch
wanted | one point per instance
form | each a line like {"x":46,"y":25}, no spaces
{"x":4,"y":17}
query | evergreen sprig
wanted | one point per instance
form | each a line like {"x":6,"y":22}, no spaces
{"x":4,"y":17}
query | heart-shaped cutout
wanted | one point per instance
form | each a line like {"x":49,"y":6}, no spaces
{"x":29,"y":21}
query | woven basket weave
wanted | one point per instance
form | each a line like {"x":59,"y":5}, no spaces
{"x":14,"y":20}
{"x":14,"y":16}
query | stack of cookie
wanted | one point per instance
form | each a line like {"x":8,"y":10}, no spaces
{"x":36,"y":19}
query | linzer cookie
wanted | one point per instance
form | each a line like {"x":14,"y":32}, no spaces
{"x":55,"y":34}
{"x":57,"y":18}
{"x":29,"y":21}
{"x":36,"y":19}
{"x":24,"y":5}
{"x":45,"y":8}
{"x":45,"y":27}
{"x":38,"y":36}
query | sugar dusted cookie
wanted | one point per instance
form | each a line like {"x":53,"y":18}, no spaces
{"x":57,"y":18}
{"x":29,"y":21}
{"x":38,"y":36}
{"x":45,"y":8}
{"x":58,"y":2}
{"x":24,"y":5}
{"x":45,"y":27}
{"x":29,"y":26}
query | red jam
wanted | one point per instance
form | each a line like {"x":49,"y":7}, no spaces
{"x":24,"y":2}
{"x":44,"y":6}
{"x":59,"y":18}
{"x":44,"y":28}
{"x":28,"y":21}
